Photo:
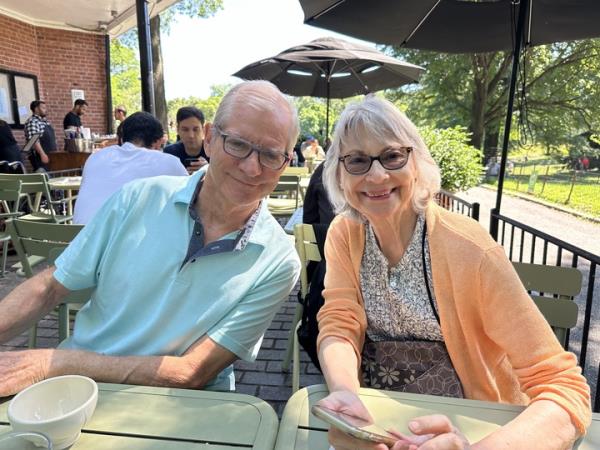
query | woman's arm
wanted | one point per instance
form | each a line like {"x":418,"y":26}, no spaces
{"x":339,"y":365}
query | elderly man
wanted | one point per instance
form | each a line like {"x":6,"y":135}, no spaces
{"x":120,"y":114}
{"x":188,"y":271}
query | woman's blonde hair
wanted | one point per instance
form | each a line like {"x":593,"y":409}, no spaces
{"x":376,"y":119}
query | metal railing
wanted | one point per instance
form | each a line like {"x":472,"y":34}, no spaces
{"x":64,"y":173}
{"x":453,"y":203}
{"x":524,"y":243}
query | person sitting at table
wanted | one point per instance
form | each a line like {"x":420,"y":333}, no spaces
{"x":313,"y":150}
{"x":423,"y":300}
{"x":107,"y":170}
{"x":187,"y":272}
{"x":190,"y":147}
{"x":9,"y":150}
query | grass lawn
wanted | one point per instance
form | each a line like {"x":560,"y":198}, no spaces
{"x":586,"y":192}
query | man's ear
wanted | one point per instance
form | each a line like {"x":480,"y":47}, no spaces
{"x":208,"y":136}
{"x":157,"y":144}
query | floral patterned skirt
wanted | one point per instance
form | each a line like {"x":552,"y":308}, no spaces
{"x":420,"y":367}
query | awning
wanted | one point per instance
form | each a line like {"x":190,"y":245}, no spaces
{"x":98,"y":16}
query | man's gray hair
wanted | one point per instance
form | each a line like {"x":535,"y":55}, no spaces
{"x":376,"y":119}
{"x":258,"y":95}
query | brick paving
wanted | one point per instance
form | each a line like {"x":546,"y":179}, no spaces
{"x":262,"y":378}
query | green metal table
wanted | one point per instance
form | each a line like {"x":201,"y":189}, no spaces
{"x":299,"y":430}
{"x":141,"y":417}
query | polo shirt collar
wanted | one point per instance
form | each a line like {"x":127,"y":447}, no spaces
{"x":260,"y":235}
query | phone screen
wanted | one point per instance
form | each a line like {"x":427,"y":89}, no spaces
{"x":188,"y":161}
{"x":354,"y":426}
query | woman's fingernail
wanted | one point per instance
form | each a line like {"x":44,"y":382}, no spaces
{"x":414,"y":426}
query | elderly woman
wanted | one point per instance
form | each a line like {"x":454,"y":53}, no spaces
{"x":428,"y":301}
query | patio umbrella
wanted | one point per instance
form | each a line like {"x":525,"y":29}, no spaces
{"x":331,"y":68}
{"x":461,"y":26}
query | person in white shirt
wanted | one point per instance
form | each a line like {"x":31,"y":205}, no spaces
{"x":107,"y":170}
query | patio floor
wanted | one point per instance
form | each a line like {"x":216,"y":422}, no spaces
{"x":262,"y":378}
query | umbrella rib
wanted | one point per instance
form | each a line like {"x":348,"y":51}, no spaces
{"x":325,"y":11}
{"x":421,"y":22}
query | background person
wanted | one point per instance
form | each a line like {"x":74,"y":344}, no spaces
{"x":187,"y":272}
{"x":190,"y":147}
{"x":120,"y":114}
{"x":72,"y":120}
{"x":9,"y":149}
{"x":107,"y":170}
{"x":424,"y":300}
{"x":39,"y":124}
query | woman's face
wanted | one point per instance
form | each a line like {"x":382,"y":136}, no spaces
{"x":380,"y":193}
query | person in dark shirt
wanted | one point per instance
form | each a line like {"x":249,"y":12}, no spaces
{"x":190,"y":146}
{"x":9,"y":149}
{"x":73,"y":117}
{"x":317,"y":208}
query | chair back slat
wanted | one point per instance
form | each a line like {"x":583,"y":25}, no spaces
{"x":562,"y":281}
{"x":552,"y":289}
{"x":47,"y":231}
{"x":308,"y":250}
{"x":10,"y":190}
{"x":299,"y":171}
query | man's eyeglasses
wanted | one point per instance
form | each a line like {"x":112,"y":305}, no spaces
{"x":241,"y":149}
{"x":391,"y":159}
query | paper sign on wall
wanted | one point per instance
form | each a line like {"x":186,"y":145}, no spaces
{"x":77,"y":94}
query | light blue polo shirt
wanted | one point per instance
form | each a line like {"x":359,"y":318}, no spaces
{"x":147,"y":303}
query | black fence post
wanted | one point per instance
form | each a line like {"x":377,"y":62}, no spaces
{"x":494,"y":223}
{"x":475,"y":211}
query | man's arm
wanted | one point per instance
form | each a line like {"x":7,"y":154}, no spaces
{"x":199,"y":365}
{"x":29,"y":301}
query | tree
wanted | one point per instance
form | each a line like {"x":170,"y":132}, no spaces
{"x":162,"y":23}
{"x":561,"y":82}
{"x":124,"y":80}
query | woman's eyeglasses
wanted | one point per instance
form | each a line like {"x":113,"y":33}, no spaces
{"x":391,"y":159}
{"x":241,"y":149}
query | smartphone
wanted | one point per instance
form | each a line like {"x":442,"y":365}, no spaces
{"x":354,"y":426}
{"x":187,"y":162}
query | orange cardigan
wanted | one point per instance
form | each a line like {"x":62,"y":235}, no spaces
{"x":501,"y":346}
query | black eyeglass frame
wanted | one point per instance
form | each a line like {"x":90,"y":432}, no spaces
{"x":377,"y":158}
{"x":253,"y":148}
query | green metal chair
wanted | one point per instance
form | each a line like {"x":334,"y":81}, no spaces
{"x":10,"y":193}
{"x":308,"y":250}
{"x":46,"y":240}
{"x":36,"y":185}
{"x":553,"y":289}
{"x":286,"y":197}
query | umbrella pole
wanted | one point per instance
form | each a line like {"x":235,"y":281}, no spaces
{"x":524,"y":6}
{"x":327,"y":114}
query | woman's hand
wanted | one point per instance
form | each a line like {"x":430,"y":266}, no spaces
{"x":439,"y":432}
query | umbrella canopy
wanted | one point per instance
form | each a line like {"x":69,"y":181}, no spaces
{"x":331,"y":68}
{"x":461,"y":26}
{"x":456,"y":26}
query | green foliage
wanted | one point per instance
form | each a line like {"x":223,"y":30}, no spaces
{"x":207,"y":105}
{"x":189,"y":8}
{"x":124,"y":71}
{"x":459,"y":162}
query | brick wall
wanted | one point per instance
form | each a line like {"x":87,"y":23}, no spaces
{"x":62,"y":60}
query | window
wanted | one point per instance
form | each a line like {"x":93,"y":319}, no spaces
{"x":17,"y":91}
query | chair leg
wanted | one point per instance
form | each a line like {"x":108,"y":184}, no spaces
{"x":285,"y":364}
{"x":296,"y":368}
{"x":32,"y":336}
{"x":63,"y":322}
{"x":4,"y":256}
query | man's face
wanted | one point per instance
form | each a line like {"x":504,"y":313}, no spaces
{"x":80,"y":110}
{"x":191,"y":132}
{"x":41,"y":110}
{"x":245,"y":181}
{"x":119,"y":115}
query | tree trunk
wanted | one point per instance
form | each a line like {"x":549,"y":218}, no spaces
{"x":159,"y":77}
{"x":477,"y":126}
{"x":490,"y":144}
